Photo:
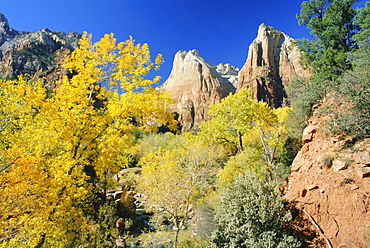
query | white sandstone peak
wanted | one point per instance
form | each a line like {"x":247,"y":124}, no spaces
{"x":227,"y":69}
{"x":195,"y":84}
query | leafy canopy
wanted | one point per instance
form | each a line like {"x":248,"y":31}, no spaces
{"x":332,"y":26}
{"x":65,"y":144}
{"x":247,"y":128}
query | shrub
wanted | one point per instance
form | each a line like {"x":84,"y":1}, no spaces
{"x":303,"y":94}
{"x":328,"y":161}
{"x":291,"y":147}
{"x":354,"y":95}
{"x":250,"y":213}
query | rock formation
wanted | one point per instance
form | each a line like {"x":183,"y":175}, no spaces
{"x":330,"y":186}
{"x":273,"y":61}
{"x":229,"y":72}
{"x":194,"y":83}
{"x":32,"y":52}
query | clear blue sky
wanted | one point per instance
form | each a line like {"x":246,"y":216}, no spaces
{"x":220,"y":30}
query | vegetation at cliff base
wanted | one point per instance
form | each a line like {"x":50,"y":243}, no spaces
{"x":250,"y":213}
{"x":338,"y":58}
{"x":250,"y":131}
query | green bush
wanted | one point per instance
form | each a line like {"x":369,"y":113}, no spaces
{"x":303,"y":94}
{"x":250,"y":213}
{"x":101,"y":232}
{"x":291,"y":147}
{"x":353,"y":112}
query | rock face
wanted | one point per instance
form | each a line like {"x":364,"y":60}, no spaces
{"x":229,"y":72}
{"x":32,"y":52}
{"x":194,"y":83}
{"x":330,"y":185}
{"x":272,"y":63}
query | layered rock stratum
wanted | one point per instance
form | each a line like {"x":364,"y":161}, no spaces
{"x":38,"y":52}
{"x":273,"y":61}
{"x":195,"y":84}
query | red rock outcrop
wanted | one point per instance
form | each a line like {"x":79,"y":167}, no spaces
{"x":273,"y":61}
{"x":195,"y":84}
{"x":330,"y":186}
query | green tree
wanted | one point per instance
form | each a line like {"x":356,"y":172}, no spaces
{"x":250,"y":213}
{"x":339,"y":58}
{"x":352,"y":113}
{"x":363,"y":20}
{"x":303,"y":94}
{"x":332,"y":26}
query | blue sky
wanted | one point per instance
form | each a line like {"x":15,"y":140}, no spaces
{"x":220,"y":30}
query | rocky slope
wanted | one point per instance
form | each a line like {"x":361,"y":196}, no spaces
{"x":272,"y":63}
{"x":329,"y":185}
{"x":33,"y":52}
{"x":195,"y":84}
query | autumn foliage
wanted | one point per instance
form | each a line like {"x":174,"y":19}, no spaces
{"x":249,"y":131}
{"x":58,"y":147}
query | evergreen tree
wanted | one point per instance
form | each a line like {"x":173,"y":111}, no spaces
{"x":363,"y":20}
{"x":352,"y":113}
{"x":336,"y":27}
{"x":332,"y":26}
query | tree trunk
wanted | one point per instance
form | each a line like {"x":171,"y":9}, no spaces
{"x":176,"y":237}
{"x":178,"y":226}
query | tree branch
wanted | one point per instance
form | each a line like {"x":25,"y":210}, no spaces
{"x":8,"y":165}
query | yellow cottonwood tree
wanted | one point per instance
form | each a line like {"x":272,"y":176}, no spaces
{"x":57,"y":148}
{"x":172,"y":180}
{"x":246,"y":127}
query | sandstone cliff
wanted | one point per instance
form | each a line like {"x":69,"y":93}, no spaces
{"x":272,"y":63}
{"x":33,"y":52}
{"x":195,"y":84}
{"x":330,"y":186}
